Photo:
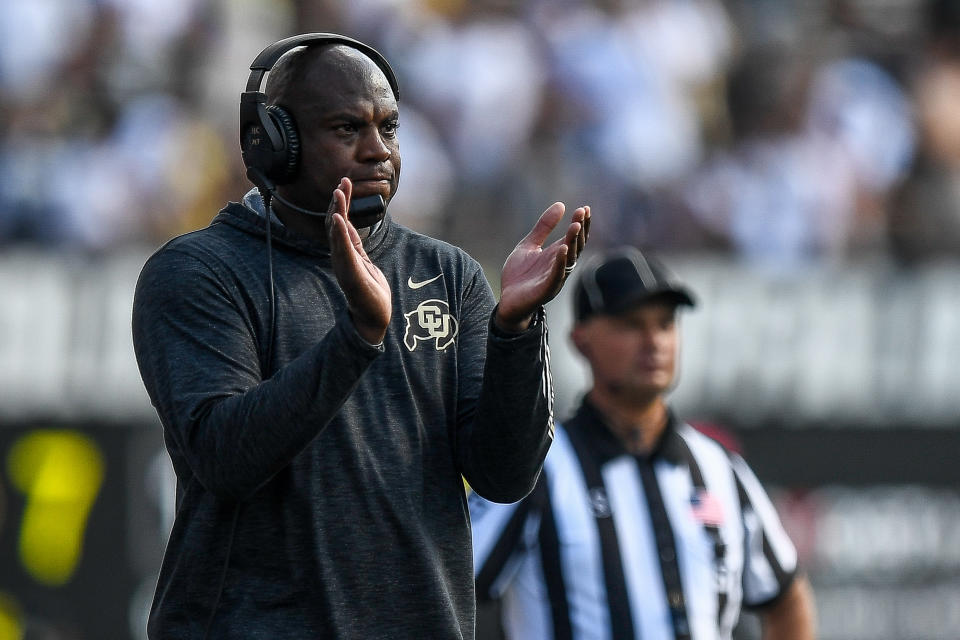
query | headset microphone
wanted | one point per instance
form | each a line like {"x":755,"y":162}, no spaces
{"x":366,"y":208}
{"x":363,"y":211}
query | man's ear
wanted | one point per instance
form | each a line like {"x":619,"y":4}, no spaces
{"x":578,"y":336}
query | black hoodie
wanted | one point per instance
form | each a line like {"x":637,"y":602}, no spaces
{"x":319,"y":495}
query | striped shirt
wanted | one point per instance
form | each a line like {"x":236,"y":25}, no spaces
{"x":610,"y":545}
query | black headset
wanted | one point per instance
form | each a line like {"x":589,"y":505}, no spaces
{"x":269,"y":141}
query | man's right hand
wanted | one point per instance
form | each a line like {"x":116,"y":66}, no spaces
{"x":367,"y":291}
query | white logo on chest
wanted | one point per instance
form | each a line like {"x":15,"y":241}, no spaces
{"x":422,"y":283}
{"x":431,"y":320}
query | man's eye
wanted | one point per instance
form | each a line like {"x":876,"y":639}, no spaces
{"x":346,"y":127}
{"x":390,"y":129}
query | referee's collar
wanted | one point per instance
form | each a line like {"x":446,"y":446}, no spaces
{"x":606,"y":445}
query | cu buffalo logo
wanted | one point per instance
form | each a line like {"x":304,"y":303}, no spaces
{"x":430,"y":321}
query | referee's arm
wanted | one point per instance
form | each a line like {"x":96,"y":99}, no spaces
{"x":792,"y":616}
{"x":773,"y":584}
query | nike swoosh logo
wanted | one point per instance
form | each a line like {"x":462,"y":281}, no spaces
{"x":417,"y":285}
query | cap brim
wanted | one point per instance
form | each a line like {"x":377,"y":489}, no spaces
{"x":678,"y":296}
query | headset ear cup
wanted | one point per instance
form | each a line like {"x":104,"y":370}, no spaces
{"x":286,"y":165}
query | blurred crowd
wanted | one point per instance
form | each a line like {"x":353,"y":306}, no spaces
{"x":778,"y":131}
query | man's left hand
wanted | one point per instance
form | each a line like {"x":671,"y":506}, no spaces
{"x":533,"y":274}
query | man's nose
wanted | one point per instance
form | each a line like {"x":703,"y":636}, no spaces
{"x":651,"y":338}
{"x":374,"y":147}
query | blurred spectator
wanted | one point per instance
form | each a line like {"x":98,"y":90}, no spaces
{"x":815,"y":152}
{"x":428,"y":176}
{"x":474,"y":72}
{"x":120,"y":186}
{"x":628,"y":77}
{"x":97,"y":123}
{"x":925,"y":223}
{"x":148,"y":41}
{"x":37,"y":39}
{"x":860,"y":109}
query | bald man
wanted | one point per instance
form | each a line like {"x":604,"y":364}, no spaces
{"x":324,"y":394}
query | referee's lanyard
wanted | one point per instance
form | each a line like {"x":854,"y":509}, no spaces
{"x":666,"y":550}
{"x":713,"y":530}
{"x":621,"y":619}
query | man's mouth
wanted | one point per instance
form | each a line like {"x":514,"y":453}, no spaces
{"x":370,"y":186}
{"x":651,"y":364}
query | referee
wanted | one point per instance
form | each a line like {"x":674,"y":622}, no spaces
{"x":639,"y":526}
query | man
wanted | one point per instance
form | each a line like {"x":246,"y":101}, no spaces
{"x":324,"y":390}
{"x":639,"y":526}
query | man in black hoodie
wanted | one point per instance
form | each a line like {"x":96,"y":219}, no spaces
{"x":323,"y":395}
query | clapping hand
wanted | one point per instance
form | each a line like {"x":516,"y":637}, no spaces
{"x":532,"y":274}
{"x":368,"y":294}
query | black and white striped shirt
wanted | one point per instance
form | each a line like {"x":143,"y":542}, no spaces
{"x":610,"y":545}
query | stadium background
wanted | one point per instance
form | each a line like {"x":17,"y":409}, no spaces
{"x":798,"y":161}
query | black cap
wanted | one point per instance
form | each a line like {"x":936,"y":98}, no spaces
{"x":622,"y":278}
